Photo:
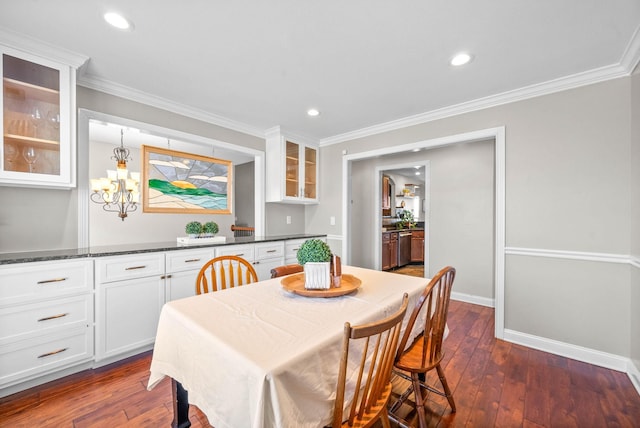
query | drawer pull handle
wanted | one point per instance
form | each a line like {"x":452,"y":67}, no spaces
{"x":240,"y":255}
{"x":271,"y":251}
{"x":256,"y":263}
{"x":47,"y":281}
{"x":135,"y":267}
{"x":192,"y":260}
{"x":52,"y":317}
{"x":48,"y":354}
{"x":296,"y":249}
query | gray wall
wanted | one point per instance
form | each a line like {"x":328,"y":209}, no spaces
{"x":567,"y":190}
{"x":244,"y":196}
{"x":461,"y":212}
{"x":42,"y":219}
{"x":635,"y":217}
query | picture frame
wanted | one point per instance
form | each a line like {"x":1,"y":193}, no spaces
{"x":185,"y":183}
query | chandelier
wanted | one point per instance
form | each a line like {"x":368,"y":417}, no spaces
{"x":118,"y":192}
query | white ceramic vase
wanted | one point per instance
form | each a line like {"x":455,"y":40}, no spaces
{"x":317,"y":275}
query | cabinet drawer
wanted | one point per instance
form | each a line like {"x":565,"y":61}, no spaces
{"x":269,"y":250}
{"x":244,"y":251}
{"x":291,"y":248}
{"x":178,"y":261}
{"x":128,"y":267}
{"x":27,"y":358}
{"x":30,"y":282}
{"x":38,"y":318}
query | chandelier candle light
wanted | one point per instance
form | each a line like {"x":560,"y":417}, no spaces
{"x":119,"y":191}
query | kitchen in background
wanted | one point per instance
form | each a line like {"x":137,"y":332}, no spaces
{"x":403,"y":215}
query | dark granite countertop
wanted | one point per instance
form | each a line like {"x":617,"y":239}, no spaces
{"x":114,"y":250}
{"x":413,"y":229}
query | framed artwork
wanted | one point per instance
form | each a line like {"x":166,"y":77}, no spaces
{"x":178,"y":182}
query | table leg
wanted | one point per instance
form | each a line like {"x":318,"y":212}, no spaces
{"x":180,"y":406}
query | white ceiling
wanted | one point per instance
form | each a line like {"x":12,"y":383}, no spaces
{"x":253,"y":65}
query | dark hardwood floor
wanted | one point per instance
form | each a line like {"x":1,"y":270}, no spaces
{"x":495,"y":383}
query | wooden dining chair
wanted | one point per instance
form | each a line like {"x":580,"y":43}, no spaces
{"x":378,"y":342}
{"x":224,"y":272}
{"x":286,"y":270}
{"x":424,"y":354}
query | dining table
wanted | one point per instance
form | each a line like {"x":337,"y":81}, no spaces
{"x":265,"y":354}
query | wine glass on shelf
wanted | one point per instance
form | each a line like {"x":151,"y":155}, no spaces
{"x":53,"y":119}
{"x":36,"y":117}
{"x":30,"y":155}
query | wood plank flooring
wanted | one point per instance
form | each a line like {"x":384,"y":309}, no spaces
{"x":495,"y":383}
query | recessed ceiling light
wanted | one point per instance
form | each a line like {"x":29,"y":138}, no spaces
{"x":118,"y":21}
{"x":417,"y":172}
{"x":460,"y":59}
{"x":313,"y":112}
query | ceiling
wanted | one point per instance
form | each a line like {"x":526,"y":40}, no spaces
{"x":253,"y":65}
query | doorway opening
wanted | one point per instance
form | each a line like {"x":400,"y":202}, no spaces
{"x":404,"y":217}
{"x":355,"y":247}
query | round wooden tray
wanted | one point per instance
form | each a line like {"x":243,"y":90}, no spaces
{"x":295,"y":284}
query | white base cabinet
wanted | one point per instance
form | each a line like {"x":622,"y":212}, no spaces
{"x":129,"y":297}
{"x":182,"y":269}
{"x":263,"y":256}
{"x":46,"y":319}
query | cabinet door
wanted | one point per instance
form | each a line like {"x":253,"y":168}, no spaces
{"x":310,"y":173}
{"x":417,"y":247}
{"x":393,"y":250}
{"x":292,"y":170}
{"x":386,"y":248}
{"x":37,"y":108}
{"x":127,"y":314}
{"x":180,"y":285}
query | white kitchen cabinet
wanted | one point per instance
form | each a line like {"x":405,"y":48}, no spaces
{"x":130,"y":292}
{"x":263,"y":256}
{"x":39,"y":124}
{"x":46,"y":320}
{"x":182,"y":269}
{"x":292,"y":169}
{"x":268,"y":255}
{"x":291,"y":251}
{"x":291,"y":248}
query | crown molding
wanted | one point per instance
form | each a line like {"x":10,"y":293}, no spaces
{"x":42,"y":49}
{"x":122,"y":91}
{"x":532,"y":91}
{"x":628,"y":62}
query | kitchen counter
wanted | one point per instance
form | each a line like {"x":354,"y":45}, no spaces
{"x":113,"y":250}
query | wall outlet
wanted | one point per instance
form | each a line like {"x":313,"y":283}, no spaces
{"x":332,"y":220}
{"x":288,"y":219}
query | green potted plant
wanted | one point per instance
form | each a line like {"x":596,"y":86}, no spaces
{"x":315,"y":256}
{"x":406,"y":220}
{"x":193,"y":229}
{"x":210,"y":228}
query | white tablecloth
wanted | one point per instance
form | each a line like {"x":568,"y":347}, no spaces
{"x":258,"y":356}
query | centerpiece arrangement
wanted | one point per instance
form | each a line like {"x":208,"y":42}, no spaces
{"x":198,"y":233}
{"x":316,"y":258}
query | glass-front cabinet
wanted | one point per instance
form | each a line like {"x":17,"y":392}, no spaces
{"x":292,"y":170}
{"x":38,"y":112}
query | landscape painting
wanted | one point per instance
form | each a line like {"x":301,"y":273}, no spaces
{"x":178,"y":182}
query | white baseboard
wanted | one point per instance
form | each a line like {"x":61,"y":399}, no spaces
{"x":634,"y":374}
{"x":580,"y":353}
{"x":476,"y":300}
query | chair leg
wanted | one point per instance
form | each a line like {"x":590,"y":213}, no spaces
{"x":384,"y":419}
{"x":445,"y":386}
{"x":419,"y":400}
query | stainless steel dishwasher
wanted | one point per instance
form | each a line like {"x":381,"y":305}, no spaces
{"x":404,"y":248}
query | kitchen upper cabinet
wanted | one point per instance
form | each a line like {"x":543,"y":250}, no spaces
{"x":386,"y":193}
{"x":38,"y":126}
{"x":292,"y":169}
